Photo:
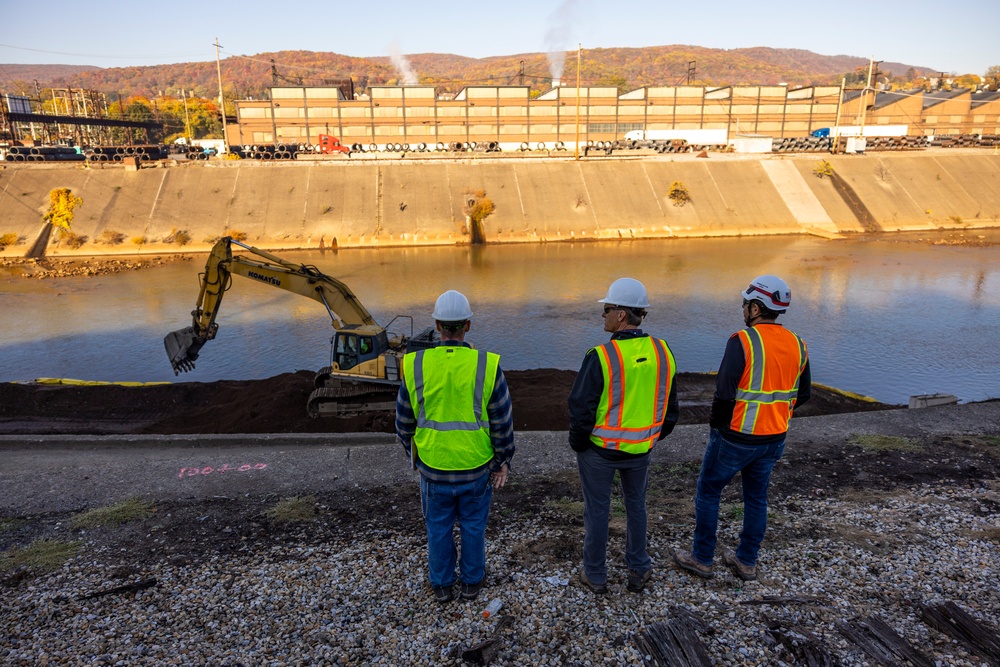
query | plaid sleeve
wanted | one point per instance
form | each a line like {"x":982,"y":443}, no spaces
{"x":406,"y":421}
{"x":501,"y":423}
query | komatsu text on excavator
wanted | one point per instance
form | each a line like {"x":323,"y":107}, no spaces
{"x":365,"y":359}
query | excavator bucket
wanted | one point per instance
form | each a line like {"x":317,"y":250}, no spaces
{"x":182,"y":348}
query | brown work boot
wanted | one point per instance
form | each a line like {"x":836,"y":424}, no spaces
{"x":741,"y":570}
{"x":688,"y":562}
{"x":597,"y":589}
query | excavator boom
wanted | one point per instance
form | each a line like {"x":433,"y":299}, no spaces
{"x":342,"y":305}
{"x":365,"y":361}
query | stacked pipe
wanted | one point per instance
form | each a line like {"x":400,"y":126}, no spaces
{"x":117,"y":153}
{"x":808,"y":144}
{"x":487,"y":147}
{"x":42,"y":154}
{"x":907,"y":143}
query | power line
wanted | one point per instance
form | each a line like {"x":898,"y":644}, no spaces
{"x":92,"y":55}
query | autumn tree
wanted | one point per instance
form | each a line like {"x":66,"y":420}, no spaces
{"x":968,"y":81}
{"x":62,"y":204}
{"x":478,"y":207}
{"x":993,"y":77}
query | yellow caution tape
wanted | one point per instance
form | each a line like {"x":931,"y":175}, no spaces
{"x":94,"y":383}
{"x":848,"y":394}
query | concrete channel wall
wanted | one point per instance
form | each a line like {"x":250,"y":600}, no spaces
{"x":356,"y":201}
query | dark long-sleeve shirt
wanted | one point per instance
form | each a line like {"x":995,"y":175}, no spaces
{"x":586,"y":395}
{"x":730,"y":371}
{"x":501,"y":431}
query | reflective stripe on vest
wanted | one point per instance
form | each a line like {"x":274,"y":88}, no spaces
{"x":454,"y":434}
{"x":764,"y":401}
{"x":634,"y":402}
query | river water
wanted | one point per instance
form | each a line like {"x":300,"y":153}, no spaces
{"x":888,"y":317}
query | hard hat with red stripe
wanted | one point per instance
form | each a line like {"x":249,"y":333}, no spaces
{"x":771,"y":291}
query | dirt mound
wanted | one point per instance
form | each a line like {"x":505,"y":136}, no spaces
{"x":278,"y":405}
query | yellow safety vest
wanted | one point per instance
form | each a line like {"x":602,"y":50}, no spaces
{"x":765,"y":396}
{"x":638,"y":373}
{"x":450,"y":387}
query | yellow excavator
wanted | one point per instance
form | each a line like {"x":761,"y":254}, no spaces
{"x":365,"y":359}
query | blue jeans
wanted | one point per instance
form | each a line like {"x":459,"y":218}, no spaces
{"x":596,"y":477}
{"x":442,"y":505}
{"x":723,"y":459}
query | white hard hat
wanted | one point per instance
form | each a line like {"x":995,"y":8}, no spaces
{"x":452,"y":306}
{"x":771,"y":291}
{"x":627,"y":292}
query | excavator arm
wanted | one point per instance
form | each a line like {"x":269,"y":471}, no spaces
{"x":342,"y":305}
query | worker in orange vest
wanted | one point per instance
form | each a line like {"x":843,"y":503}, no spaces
{"x":763,"y":376}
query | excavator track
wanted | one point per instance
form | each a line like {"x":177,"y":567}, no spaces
{"x":322,"y":377}
{"x":346,"y":399}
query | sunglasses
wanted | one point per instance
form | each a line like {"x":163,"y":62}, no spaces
{"x":608,"y":309}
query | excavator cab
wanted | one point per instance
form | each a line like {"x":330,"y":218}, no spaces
{"x":351,"y":348}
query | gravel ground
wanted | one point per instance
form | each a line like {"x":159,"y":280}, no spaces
{"x":357,"y":595}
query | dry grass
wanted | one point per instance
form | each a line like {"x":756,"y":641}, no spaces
{"x":113,"y":515}
{"x":293,"y":510}
{"x":884,"y":443}
{"x":39,"y":556}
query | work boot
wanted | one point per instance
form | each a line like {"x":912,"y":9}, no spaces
{"x":471,"y":591}
{"x":597,"y":589}
{"x":636,"y":581}
{"x":739,"y":568}
{"x":443,"y":594}
{"x":688,"y":562}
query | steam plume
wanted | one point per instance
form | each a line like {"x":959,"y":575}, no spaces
{"x":402,"y":65}
{"x":557,"y":37}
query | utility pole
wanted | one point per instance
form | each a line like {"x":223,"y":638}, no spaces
{"x":187,"y":121}
{"x":222,"y":100}
{"x":576,"y":150}
{"x":692,"y":69}
{"x":864,"y":94}
{"x":520,"y":72}
{"x":836,"y":125}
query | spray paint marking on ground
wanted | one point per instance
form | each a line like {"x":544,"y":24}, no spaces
{"x":209,"y":470}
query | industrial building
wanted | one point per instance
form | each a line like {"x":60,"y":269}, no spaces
{"x":511,"y":118}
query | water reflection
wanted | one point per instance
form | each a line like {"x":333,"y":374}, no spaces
{"x":883,"y":318}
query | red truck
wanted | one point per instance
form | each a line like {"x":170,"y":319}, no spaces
{"x":331,"y":144}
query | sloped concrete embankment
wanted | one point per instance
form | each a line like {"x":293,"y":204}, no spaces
{"x":354,"y":202}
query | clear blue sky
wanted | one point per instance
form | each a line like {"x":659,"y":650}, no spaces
{"x":958,"y":36}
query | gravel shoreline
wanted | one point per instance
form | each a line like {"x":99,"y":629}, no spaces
{"x":359,"y":596}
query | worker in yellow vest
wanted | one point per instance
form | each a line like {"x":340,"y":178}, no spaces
{"x":763,"y":376}
{"x":623,"y":401}
{"x":453,"y":417}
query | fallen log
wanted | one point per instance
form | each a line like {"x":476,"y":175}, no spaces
{"x":874,"y":636}
{"x":484,"y":652}
{"x":675,"y":643}
{"x":806,"y":647}
{"x":955,"y":622}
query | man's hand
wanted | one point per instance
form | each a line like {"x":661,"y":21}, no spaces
{"x":499,"y":478}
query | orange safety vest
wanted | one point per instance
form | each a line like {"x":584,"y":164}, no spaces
{"x":766,"y":394}
{"x":638,"y":373}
